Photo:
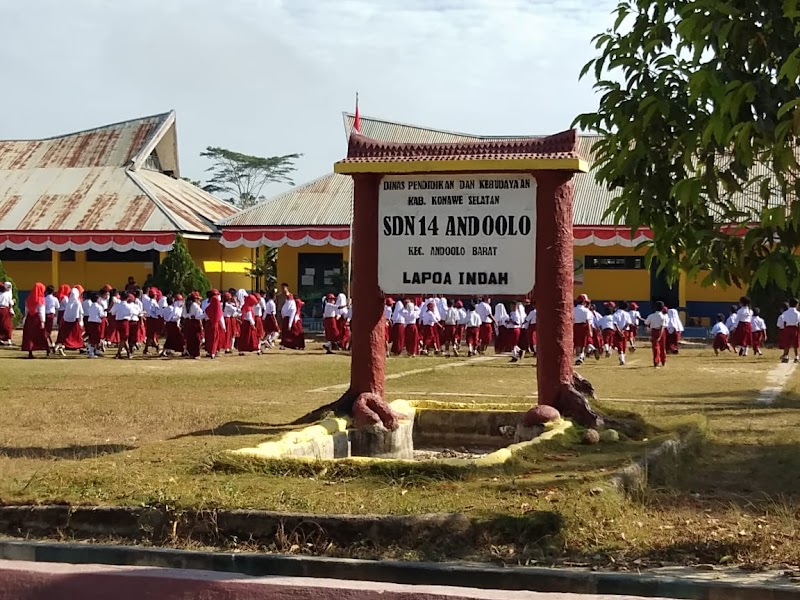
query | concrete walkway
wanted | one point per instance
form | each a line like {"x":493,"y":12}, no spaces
{"x":56,"y":581}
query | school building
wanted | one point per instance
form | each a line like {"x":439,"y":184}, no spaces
{"x":98,"y":206}
{"x":311,"y":225}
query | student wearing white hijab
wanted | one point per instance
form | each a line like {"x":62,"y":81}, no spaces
{"x":500,"y":319}
{"x":6,"y":313}
{"x":398,"y":333}
{"x":674,"y":330}
{"x":70,"y":336}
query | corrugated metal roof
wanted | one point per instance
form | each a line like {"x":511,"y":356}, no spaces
{"x":324,"y":201}
{"x":328,"y":200}
{"x":86,"y":181}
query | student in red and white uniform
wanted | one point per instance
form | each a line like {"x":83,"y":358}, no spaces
{"x":656,"y":322}
{"x":448,"y":337}
{"x":597,"y":331}
{"x":345,"y":324}
{"x":411,"y":314}
{"x":70,"y":336}
{"x":193,"y":326}
{"x":429,"y":322}
{"x":6,"y":313}
{"x":484,"y":311}
{"x":501,"y":332}
{"x":720,"y":335}
{"x":152,"y":325}
{"x":582,"y":328}
{"x":63,"y":299}
{"x":473,"y":330}
{"x":214,"y":326}
{"x":292,"y":335}
{"x":272,"y":328}
{"x":743,"y":336}
{"x":388,"y":310}
{"x":248,"y":338}
{"x":330,"y":323}
{"x":461,"y":326}
{"x":33,"y":332}
{"x":516,"y":318}
{"x":124,"y":315}
{"x":173,"y":336}
{"x":781,"y":327}
{"x":674,"y":331}
{"x":730,"y":323}
{"x":51,"y":305}
{"x":622,"y":322}
{"x":607,"y":327}
{"x":398,"y":327}
{"x":791,"y":327}
{"x":633,"y":330}
{"x":229,"y":314}
{"x":531,"y":322}
{"x":94,"y":319}
{"x":759,"y":332}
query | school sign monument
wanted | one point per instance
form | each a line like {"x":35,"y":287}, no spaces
{"x":488,"y":217}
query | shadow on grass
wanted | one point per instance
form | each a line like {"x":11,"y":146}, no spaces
{"x":234,"y":428}
{"x":67,"y":452}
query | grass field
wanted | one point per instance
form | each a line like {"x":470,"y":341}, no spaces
{"x":144,"y":432}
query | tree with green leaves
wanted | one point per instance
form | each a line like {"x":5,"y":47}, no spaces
{"x":18,"y":310}
{"x":245,"y":176}
{"x":264,"y":269}
{"x":700,"y":118}
{"x":178,"y":273}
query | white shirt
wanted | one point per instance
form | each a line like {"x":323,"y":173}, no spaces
{"x":484,"y":312}
{"x":759,"y":324}
{"x":124,"y":311}
{"x":410,"y":316}
{"x":463,"y":317}
{"x":341,"y":304}
{"x":514,"y":320}
{"x":62,"y":305}
{"x":581,"y":314}
{"x":744,"y":315}
{"x":730,"y":323}
{"x":429,"y":318}
{"x":441,"y":305}
{"x":621,"y":319}
{"x":258,"y":310}
{"x":86,"y":305}
{"x":7,"y":300}
{"x":636,"y":316}
{"x":229,"y":310}
{"x":656,"y":320}
{"x":674,"y":322}
{"x":173,"y":313}
{"x":791,"y":317}
{"x":74,"y":311}
{"x":329,"y":311}
{"x":153,"y":311}
{"x":387,"y":313}
{"x":270,"y":308}
{"x":607,"y":322}
{"x":474,"y":319}
{"x":531,"y":317}
{"x":146,"y":301}
{"x":96,"y":312}
{"x":719,"y":328}
{"x":51,"y":304}
{"x":195,"y":312}
{"x":451,"y":316}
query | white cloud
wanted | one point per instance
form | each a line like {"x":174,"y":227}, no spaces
{"x":272,"y":76}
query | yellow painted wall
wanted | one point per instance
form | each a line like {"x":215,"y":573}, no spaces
{"x":288,"y":256}
{"x":697,"y":293}
{"x":224,"y":267}
{"x":610,"y":284}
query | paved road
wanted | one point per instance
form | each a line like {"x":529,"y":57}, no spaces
{"x":55,"y":581}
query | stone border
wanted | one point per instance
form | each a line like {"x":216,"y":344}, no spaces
{"x":457,"y":575}
{"x":317,"y":435}
{"x":635,"y":475}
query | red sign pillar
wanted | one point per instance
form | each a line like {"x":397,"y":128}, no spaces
{"x":554,"y":283}
{"x":368,"y":342}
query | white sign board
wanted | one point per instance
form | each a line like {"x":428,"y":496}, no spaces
{"x":457,"y":234}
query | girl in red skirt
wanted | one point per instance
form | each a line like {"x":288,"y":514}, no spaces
{"x":743,"y":334}
{"x":411,"y":333}
{"x":501,"y":339}
{"x":473,"y":330}
{"x":63,"y":298}
{"x":214,"y":326}
{"x":173,"y":341}
{"x":388,"y":305}
{"x":582,"y":328}
{"x":6,"y":313}
{"x":248,"y":338}
{"x":514,"y":326}
{"x":429,"y":322}
{"x":330,"y":324}
{"x":674,"y":331}
{"x":531,"y":319}
{"x":70,"y":336}
{"x":229,"y":312}
{"x":292,"y":335}
{"x":759,"y":332}
{"x":258,"y":315}
{"x":271,"y":327}
{"x":95,"y":314}
{"x":193,"y":326}
{"x":398,"y":334}
{"x":33,"y":331}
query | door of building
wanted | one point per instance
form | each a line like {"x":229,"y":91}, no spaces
{"x":660,"y":289}
{"x":317,"y":274}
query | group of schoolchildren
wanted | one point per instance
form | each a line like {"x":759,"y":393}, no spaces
{"x":616,"y":331}
{"x":434,"y":325}
{"x":744,"y":328}
{"x":146,"y":318}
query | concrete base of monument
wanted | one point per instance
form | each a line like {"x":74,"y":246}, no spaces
{"x":439,"y":433}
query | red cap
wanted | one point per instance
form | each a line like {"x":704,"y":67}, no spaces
{"x":583,"y":298}
{"x":634,"y":306}
{"x":459,"y":304}
{"x":178,"y":297}
{"x":664,"y":310}
{"x":611,"y":304}
{"x":390,"y":302}
{"x":330,"y":297}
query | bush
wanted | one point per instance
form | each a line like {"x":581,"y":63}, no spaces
{"x":179,"y":273}
{"x":18,"y":310}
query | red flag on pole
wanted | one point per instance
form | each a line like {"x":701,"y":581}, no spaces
{"x":357,"y":120}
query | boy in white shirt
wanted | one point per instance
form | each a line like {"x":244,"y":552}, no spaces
{"x":657,"y":324}
{"x":744,"y":326}
{"x":582,"y":328}
{"x":473,"y":330}
{"x":622,"y":323}
{"x":720,"y":335}
{"x":606,"y":325}
{"x":95,"y":313}
{"x":759,"y":332}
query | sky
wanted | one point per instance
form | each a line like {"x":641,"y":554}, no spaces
{"x":271,"y":77}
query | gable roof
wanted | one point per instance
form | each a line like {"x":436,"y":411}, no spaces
{"x":115,"y":178}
